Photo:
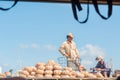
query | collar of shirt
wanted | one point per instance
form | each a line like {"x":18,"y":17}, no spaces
{"x":69,"y":42}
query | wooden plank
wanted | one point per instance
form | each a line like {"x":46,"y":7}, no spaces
{"x":71,"y":78}
{"x":20,"y":78}
{"x":115,"y":2}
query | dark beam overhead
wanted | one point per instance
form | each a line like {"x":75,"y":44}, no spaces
{"x":115,"y":2}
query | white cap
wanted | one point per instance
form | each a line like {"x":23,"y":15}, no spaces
{"x":70,"y":34}
{"x":99,"y":57}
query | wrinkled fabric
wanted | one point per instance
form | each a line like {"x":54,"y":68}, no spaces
{"x":70,"y":49}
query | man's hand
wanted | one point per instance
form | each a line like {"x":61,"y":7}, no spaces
{"x":67,"y":55}
{"x":103,"y":69}
{"x":92,"y":68}
{"x":78,"y":57}
{"x":99,"y":69}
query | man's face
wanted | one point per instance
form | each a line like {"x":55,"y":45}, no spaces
{"x":99,"y":59}
{"x":69,"y":38}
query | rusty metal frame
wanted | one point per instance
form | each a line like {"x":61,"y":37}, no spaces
{"x":115,"y":2}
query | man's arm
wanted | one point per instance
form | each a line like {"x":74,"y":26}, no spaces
{"x":101,"y":69}
{"x":76,"y":50}
{"x":62,"y":50}
{"x":77,"y":53}
{"x":97,"y":69}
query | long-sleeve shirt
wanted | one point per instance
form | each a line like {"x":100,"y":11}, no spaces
{"x":101,"y":65}
{"x":70,"y":49}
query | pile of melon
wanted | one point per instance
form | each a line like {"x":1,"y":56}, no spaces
{"x":54,"y":70}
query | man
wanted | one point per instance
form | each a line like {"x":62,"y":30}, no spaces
{"x":102,"y":67}
{"x":70,"y":51}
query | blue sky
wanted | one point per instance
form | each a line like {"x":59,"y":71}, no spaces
{"x":33,"y":32}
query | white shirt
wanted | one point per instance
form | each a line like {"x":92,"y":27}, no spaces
{"x":70,"y":49}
